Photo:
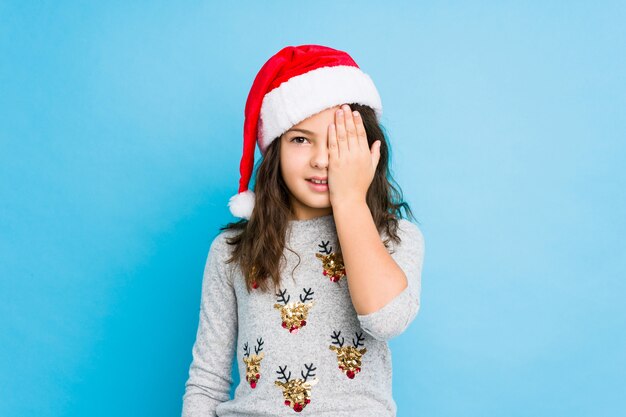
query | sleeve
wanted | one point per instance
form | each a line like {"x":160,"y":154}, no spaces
{"x":210,"y":377}
{"x":394,"y":317}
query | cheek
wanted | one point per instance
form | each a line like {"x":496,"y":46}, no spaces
{"x":289,"y":169}
{"x":293,"y":162}
{"x":286,"y":165}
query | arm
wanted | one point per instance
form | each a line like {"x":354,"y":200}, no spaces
{"x":210,"y":371}
{"x":385,"y":288}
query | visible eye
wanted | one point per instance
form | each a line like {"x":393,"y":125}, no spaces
{"x":298,"y":137}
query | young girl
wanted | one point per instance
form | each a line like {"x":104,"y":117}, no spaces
{"x":323,"y":271}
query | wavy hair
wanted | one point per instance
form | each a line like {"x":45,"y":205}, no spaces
{"x":259,"y":243}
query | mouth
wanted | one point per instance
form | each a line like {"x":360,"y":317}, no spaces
{"x":318,"y":180}
{"x":318,"y":185}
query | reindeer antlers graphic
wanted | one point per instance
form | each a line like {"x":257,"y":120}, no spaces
{"x":307,"y":293}
{"x":281,"y":296}
{"x":309,"y":371}
{"x":281,"y":371}
{"x":335,"y":336}
{"x":325,"y":249}
{"x":260,"y":348}
{"x":360,"y":339}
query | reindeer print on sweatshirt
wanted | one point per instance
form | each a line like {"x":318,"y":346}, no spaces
{"x":294,"y":314}
{"x":296,"y":392}
{"x":253,"y":362}
{"x":348,"y":357}
{"x":332,"y":263}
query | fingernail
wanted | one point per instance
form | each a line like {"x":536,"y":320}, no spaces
{"x":356,"y":113}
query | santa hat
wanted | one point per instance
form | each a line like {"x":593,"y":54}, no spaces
{"x":294,"y":84}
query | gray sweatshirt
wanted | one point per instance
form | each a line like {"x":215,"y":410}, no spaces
{"x":302,"y":349}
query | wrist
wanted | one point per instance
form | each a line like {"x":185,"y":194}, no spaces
{"x":349,"y":205}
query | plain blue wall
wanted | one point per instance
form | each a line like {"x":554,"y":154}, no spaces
{"x":120,"y":140}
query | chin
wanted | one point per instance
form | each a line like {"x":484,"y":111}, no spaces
{"x":317,"y":206}
{"x":320,"y":202}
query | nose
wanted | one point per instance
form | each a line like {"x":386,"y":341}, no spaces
{"x":320,"y":156}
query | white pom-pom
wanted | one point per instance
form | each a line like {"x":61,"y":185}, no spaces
{"x":242,"y":204}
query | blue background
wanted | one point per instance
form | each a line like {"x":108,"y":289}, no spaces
{"x":120,"y":139}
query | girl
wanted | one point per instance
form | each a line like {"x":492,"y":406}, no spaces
{"x":323,"y":271}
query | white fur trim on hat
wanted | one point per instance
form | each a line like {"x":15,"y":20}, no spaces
{"x":242,"y":204}
{"x":307,"y":94}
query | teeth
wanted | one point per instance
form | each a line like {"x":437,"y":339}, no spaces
{"x":319,"y":182}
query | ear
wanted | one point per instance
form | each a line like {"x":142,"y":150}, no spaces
{"x":375,"y":152}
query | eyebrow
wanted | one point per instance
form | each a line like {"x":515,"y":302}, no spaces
{"x":308,"y":132}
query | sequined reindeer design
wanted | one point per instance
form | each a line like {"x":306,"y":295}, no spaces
{"x":253,"y":362}
{"x":331,"y":261}
{"x":348,"y":357}
{"x":294,"y":314}
{"x":297,"y":392}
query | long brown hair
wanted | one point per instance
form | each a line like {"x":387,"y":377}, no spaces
{"x":259,"y":245}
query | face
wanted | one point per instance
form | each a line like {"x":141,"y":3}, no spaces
{"x":303,"y":155}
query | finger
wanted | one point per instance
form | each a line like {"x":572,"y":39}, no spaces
{"x":350,"y":128}
{"x":342,"y":142}
{"x":360,"y":130}
{"x":333,"y":149}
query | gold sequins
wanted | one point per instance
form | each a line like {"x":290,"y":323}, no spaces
{"x":294,"y":314}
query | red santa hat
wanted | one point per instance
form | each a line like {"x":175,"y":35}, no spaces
{"x":294,"y":84}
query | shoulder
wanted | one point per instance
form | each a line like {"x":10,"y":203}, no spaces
{"x":410,"y":231}
{"x":410,"y":235}
{"x":220,"y":245}
{"x":220,"y":241}
{"x":220,"y":251}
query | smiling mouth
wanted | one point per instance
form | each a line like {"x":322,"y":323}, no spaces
{"x":321,"y":188}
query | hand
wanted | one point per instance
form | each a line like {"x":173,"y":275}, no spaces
{"x":351,"y":164}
